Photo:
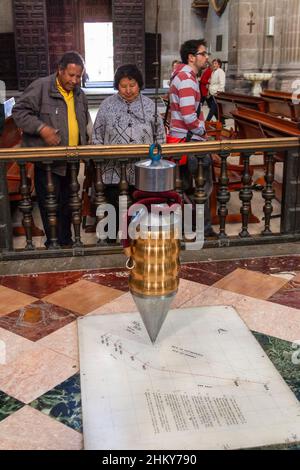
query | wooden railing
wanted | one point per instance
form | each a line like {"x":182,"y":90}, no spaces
{"x":290,"y":206}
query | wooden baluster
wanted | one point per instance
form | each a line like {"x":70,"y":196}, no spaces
{"x":26,"y":207}
{"x":123,"y":185}
{"x":268,"y":193}
{"x":178,"y":179}
{"x":246,"y":195}
{"x":223,"y":196}
{"x":200,"y":195}
{"x":75,"y":202}
{"x":51,"y":207}
{"x":99,"y":187}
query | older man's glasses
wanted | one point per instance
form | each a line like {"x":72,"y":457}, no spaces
{"x":204,"y":54}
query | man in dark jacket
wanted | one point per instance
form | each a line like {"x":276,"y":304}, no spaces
{"x":53,"y":111}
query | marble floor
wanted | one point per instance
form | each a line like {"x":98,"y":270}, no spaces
{"x":40,"y":400}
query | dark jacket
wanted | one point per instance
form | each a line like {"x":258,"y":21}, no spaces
{"x":41,"y":103}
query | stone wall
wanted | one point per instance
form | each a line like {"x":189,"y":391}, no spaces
{"x":6,"y":17}
{"x":177,"y":23}
{"x":216,"y":26}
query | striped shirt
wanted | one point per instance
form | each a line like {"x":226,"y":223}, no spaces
{"x":184,"y":102}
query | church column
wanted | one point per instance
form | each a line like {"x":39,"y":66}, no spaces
{"x":251,"y":49}
{"x":246,"y":40}
{"x":129,"y":32}
{"x":31,"y":38}
{"x":287,"y":26}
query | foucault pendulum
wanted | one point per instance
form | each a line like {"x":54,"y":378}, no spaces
{"x":153,"y":255}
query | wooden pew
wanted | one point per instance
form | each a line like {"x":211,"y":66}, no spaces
{"x":12,"y":137}
{"x":253,"y":124}
{"x":228,"y":102}
{"x":281,"y":103}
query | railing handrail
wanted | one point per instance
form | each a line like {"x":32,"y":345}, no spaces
{"x":134,"y":151}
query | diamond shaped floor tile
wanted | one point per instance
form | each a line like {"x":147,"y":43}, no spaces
{"x":11,"y":300}
{"x":39,"y":285}
{"x":281,"y":354}
{"x":83,"y":296}
{"x":115,"y":278}
{"x":251,"y":283}
{"x":35,"y":372}
{"x":37,"y":320}
{"x":8,"y":405}
{"x":63,"y":341}
{"x":29,"y":429}
{"x":63,"y":403}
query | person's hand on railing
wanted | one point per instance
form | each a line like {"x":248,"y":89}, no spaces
{"x":50,"y":136}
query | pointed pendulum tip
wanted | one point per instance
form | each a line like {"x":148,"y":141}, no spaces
{"x":153,"y":311}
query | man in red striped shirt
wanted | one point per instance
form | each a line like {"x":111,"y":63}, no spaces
{"x":187,"y":120}
{"x":185,"y":93}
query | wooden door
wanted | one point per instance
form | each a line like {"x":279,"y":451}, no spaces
{"x":31,"y":39}
{"x":129,"y":33}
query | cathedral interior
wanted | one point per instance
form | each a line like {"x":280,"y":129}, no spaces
{"x":253,"y":262}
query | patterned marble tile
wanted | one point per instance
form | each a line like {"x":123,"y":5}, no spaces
{"x":115,"y":278}
{"x":29,"y":429}
{"x":63,"y":341}
{"x":193,"y":272}
{"x":250,"y":283}
{"x":8,"y":405}
{"x":63,"y":403}
{"x":269,"y":265}
{"x":35,"y":372}
{"x":11,"y":300}
{"x":281,"y":354}
{"x":37,"y":320}
{"x":83,"y":296}
{"x":289,"y":295}
{"x":40,"y":285}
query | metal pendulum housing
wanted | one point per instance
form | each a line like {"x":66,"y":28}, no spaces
{"x":154,"y":278}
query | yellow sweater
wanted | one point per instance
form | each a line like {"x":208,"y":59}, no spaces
{"x":72,"y":119}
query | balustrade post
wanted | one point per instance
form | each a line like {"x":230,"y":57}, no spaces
{"x":75,"y":202}
{"x":200,"y":195}
{"x":178,"y":179}
{"x":246,"y":195}
{"x":268,"y":193}
{"x":51,"y":207}
{"x":223,"y":196}
{"x":26,"y":207}
{"x":123,"y":185}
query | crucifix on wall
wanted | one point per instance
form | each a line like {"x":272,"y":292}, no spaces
{"x":251,"y":23}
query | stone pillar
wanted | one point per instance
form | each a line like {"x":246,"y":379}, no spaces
{"x":245,"y":42}
{"x":286,"y":65}
{"x":258,"y":52}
